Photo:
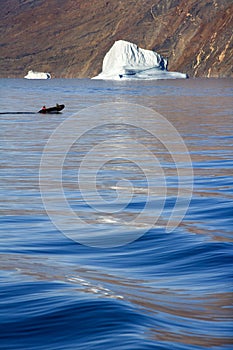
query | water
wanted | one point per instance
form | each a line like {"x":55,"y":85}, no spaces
{"x":160,"y":291}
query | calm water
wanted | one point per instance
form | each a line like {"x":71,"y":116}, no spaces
{"x":160,"y":291}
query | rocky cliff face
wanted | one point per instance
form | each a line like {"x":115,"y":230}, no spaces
{"x":70,"y":38}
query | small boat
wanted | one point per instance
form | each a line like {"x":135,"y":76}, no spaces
{"x":52,"y":110}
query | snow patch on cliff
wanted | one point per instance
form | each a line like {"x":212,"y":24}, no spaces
{"x":126,"y":60}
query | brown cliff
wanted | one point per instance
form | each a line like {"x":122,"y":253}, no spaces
{"x":70,"y":38}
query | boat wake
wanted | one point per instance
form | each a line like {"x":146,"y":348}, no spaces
{"x":18,"y":113}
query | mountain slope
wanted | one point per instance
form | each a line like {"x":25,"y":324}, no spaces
{"x":70,"y":38}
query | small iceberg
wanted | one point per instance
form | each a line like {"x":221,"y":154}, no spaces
{"x":37,"y":75}
{"x":126,"y":60}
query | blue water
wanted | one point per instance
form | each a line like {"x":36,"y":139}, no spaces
{"x":160,"y":290}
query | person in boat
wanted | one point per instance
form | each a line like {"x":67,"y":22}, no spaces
{"x":43,"y":109}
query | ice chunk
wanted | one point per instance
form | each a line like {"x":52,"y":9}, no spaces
{"x":126,"y":60}
{"x":37,"y":75}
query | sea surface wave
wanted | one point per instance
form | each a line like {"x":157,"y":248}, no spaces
{"x":161,"y":290}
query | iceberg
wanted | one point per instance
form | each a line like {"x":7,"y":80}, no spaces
{"x":37,"y":75}
{"x":126,"y":60}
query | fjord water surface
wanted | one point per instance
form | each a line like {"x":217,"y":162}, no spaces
{"x":162,"y":290}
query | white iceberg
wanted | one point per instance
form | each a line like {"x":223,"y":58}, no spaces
{"x":126,"y":60}
{"x":37,"y":75}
